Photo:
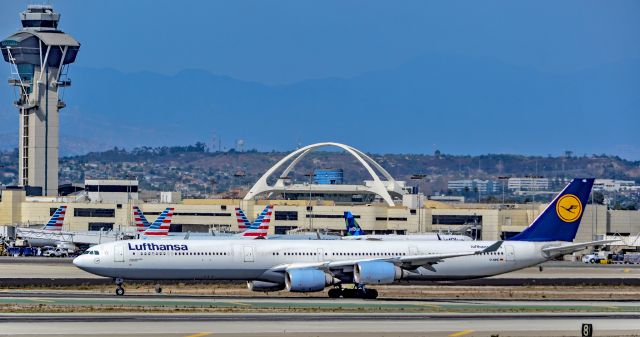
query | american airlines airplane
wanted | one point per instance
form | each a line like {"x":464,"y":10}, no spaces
{"x":310,"y":266}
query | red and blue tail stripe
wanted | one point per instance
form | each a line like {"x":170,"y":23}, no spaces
{"x":57,"y":220}
{"x":243,"y":222}
{"x":260,"y":227}
{"x":140,"y":220}
{"x":161,"y":226}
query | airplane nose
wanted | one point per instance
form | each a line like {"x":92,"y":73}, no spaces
{"x":78,"y":261}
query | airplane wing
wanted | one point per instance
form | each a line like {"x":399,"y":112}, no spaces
{"x":405,"y":262}
{"x":567,"y":249}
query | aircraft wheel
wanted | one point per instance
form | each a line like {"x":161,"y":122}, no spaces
{"x":335,"y":293}
{"x":349,"y":293}
{"x":119,"y":291}
{"x":371,"y":294}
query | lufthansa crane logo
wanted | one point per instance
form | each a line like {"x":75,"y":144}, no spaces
{"x":569,"y":208}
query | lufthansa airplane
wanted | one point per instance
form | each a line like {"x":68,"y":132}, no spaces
{"x":309,"y":266}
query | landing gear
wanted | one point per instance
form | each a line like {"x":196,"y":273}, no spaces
{"x":119,"y":288}
{"x":335,"y":292}
{"x":358,"y":292}
{"x":158,"y":288}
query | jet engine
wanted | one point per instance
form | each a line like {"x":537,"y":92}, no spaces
{"x":377,"y":272}
{"x":264,"y":286}
{"x":304,"y":280}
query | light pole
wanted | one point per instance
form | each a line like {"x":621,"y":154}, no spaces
{"x":420,"y":177}
{"x":309,"y":207}
{"x":503,"y":180}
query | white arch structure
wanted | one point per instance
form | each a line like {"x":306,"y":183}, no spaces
{"x":378,"y":186}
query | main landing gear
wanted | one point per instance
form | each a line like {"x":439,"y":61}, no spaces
{"x":119,"y":284}
{"x":358,"y":292}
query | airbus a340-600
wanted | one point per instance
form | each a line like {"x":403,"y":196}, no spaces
{"x":308,"y":266}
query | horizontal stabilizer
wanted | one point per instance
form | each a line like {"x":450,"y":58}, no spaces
{"x":567,"y":249}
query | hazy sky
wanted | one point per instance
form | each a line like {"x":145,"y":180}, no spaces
{"x":286,"y":41}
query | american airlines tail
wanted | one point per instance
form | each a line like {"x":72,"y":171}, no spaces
{"x":161,"y":226}
{"x":560,"y":220}
{"x":140,"y":220}
{"x":57,"y":220}
{"x":243,"y":221}
{"x":353,"y":228}
{"x":260,"y":227}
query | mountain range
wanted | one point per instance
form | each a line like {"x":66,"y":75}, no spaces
{"x":456,"y":104}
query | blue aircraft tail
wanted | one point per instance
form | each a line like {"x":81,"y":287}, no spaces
{"x":560,"y":220}
{"x":353,"y":229}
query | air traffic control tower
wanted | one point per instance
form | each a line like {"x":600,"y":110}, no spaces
{"x":39,"y":56}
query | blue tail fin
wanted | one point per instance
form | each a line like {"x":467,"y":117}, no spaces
{"x":353,"y":229}
{"x":560,"y":220}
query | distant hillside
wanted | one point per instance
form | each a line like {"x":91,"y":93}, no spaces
{"x":194,"y":172}
{"x":191,"y":165}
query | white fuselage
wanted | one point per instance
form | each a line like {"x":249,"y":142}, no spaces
{"x":252,"y":260}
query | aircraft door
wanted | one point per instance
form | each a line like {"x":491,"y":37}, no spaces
{"x":413,"y":250}
{"x":320,"y":254}
{"x":118,"y":255}
{"x":510,"y":254}
{"x":248,"y":254}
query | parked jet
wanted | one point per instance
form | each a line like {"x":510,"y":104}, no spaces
{"x":306,"y":266}
{"x":355,"y":232}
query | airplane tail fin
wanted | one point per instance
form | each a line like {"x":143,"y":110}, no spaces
{"x":140,"y":220}
{"x":260,"y":227}
{"x":161,"y":226}
{"x":560,"y":220}
{"x":353,"y":229}
{"x":57,"y":220}
{"x":243,"y":221}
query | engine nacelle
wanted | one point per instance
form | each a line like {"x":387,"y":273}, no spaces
{"x":264,"y":286}
{"x":305,"y":280}
{"x":377,"y":272}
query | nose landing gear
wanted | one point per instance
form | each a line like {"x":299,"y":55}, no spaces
{"x":358,"y":292}
{"x":119,"y":288}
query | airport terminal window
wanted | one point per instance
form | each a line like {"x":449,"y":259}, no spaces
{"x":97,"y":226}
{"x":283,"y":229}
{"x":456,"y":219}
{"x":286,"y":215}
{"x":52,"y":210}
{"x":112,"y":188}
{"x":94,"y":212}
{"x":191,"y":214}
{"x":329,"y":216}
{"x":397,"y":219}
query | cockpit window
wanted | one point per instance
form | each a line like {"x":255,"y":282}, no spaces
{"x":92,"y":252}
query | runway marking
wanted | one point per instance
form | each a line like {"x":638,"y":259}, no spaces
{"x":42,"y":300}
{"x":239,"y":303}
{"x":201,"y":334}
{"x":461,"y":333}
